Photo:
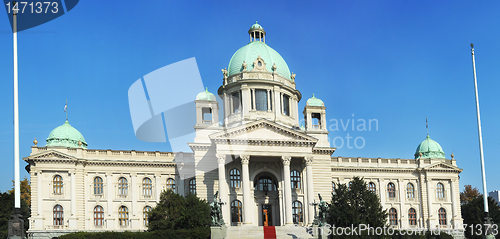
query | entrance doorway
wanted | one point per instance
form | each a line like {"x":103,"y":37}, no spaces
{"x":267,"y":219}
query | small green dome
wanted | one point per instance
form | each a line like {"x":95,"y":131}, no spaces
{"x":66,"y":136}
{"x":249,"y":54}
{"x":205,"y":95}
{"x":429,"y":149}
{"x":313,"y":101}
{"x":256,"y":26}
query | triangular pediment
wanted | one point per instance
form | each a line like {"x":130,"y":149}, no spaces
{"x":441,"y":166}
{"x":51,"y":154}
{"x":263,"y":130}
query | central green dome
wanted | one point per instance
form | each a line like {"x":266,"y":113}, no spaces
{"x":251,"y":51}
{"x":66,"y":136}
{"x":429,"y":149}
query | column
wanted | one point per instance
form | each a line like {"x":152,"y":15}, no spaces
{"x":288,"y":190}
{"x":429,"y":199}
{"x":157,"y":186}
{"x":72,"y":219}
{"x":453,"y":202}
{"x":223,"y":193}
{"x":402,"y":212}
{"x":247,"y":199}
{"x":310,"y":188}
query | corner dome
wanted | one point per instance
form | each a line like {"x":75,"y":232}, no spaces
{"x":205,"y":95}
{"x":313,"y":101}
{"x":429,"y":149}
{"x":66,"y":136}
{"x":254,"y":49}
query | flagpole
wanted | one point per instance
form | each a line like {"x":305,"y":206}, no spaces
{"x":17,"y":191}
{"x":483,"y":172}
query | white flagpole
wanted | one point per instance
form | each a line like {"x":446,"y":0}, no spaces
{"x":17,"y":188}
{"x":483,"y":172}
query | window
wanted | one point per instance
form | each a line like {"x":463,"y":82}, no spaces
{"x":192,"y":186}
{"x":171,"y":184}
{"x":123,"y":216}
{"x":98,"y":216}
{"x":236,"y":102}
{"x":236,"y":211}
{"x":207,"y":115}
{"x":412,"y":217}
{"x":147,"y":187}
{"x":372,"y":188}
{"x":440,"y":190}
{"x":234,"y":178}
{"x":333,"y":188}
{"x":58,"y":215}
{"x":442,"y":217}
{"x":286,"y":105}
{"x":393,"y":217}
{"x":316,"y":120}
{"x":145,"y":215}
{"x":295,"y":177}
{"x":266,"y":184}
{"x":261,"y":100}
{"x":98,"y":186}
{"x":297,"y":212}
{"x":58,"y":185}
{"x":391,"y":190}
{"x":410,"y":190}
{"x":122,"y":186}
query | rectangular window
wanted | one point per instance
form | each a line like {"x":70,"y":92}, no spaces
{"x":261,"y":100}
{"x":286,"y":105}
{"x":236,"y":99}
{"x":207,"y":115}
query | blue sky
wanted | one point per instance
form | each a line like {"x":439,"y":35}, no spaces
{"x":394,"y":61}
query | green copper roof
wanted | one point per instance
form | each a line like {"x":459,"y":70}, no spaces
{"x":205,"y":95}
{"x":430,"y":149}
{"x":256,"y":25}
{"x":66,"y":136}
{"x":249,"y":54}
{"x":313,"y":101}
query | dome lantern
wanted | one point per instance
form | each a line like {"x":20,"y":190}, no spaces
{"x":257,"y":33}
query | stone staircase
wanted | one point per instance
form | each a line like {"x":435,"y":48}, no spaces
{"x":256,"y":232}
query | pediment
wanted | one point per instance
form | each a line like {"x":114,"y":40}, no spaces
{"x":442,"y":166}
{"x":52,"y":154}
{"x":263,"y":130}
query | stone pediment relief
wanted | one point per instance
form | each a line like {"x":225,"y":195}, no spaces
{"x":51,"y":155}
{"x":263,"y":130}
{"x":442,"y":166}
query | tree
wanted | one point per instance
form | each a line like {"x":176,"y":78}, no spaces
{"x":468,"y":194}
{"x":356,"y":205}
{"x":473,"y":214}
{"x":177,"y":212}
{"x":7,"y":207}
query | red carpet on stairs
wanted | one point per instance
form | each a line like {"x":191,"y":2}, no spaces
{"x":269,"y":232}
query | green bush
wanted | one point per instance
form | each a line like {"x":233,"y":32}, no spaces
{"x":195,"y":233}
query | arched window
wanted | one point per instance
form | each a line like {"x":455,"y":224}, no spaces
{"x":265,"y":183}
{"x":236,"y":211}
{"x":171,"y":184}
{"x":123,"y":216}
{"x":410,"y":190}
{"x":333,"y":188}
{"x":295,"y":177}
{"x":98,"y":216}
{"x":147,"y":187}
{"x":297,"y":212}
{"x":145,"y":215}
{"x":235,"y":178}
{"x":440,"y":190}
{"x":192,"y":186}
{"x":412,"y":217}
{"x":393,"y":217}
{"x":58,"y":184}
{"x":372,"y":188}
{"x":442,"y":216}
{"x":391,"y":190}
{"x":98,"y":186}
{"x":122,"y":186}
{"x":58,"y":215}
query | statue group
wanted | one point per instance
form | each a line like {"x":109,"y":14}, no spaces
{"x":216,"y":211}
{"x":323,"y":211}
